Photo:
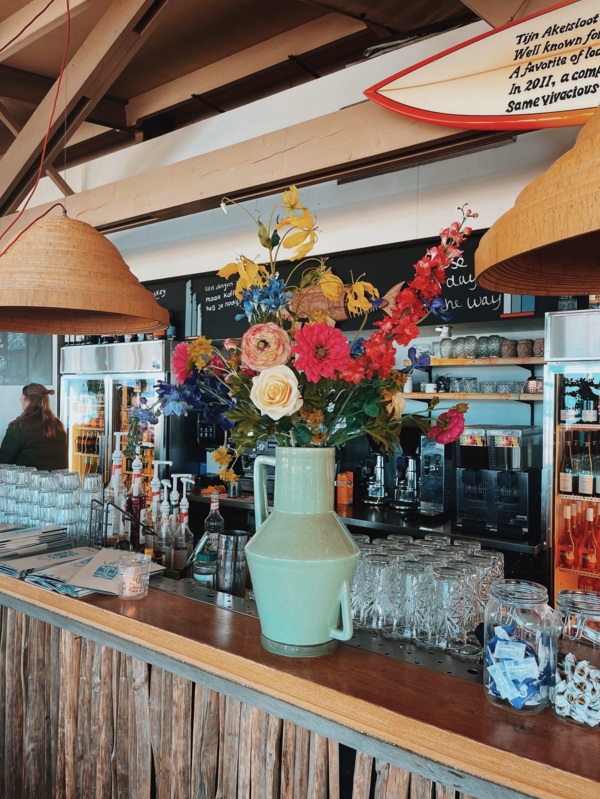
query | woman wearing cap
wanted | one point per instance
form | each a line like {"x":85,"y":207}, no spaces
{"x":37,"y":437}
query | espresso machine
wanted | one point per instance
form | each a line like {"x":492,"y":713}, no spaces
{"x":406,"y":486}
{"x":374,"y":480}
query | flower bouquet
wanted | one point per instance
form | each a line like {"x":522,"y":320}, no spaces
{"x":294,"y":375}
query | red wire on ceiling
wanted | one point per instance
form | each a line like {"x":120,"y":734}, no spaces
{"x":48,"y":129}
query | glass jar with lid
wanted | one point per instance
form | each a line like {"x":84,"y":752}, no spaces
{"x":519,"y":656}
{"x":577,"y":690}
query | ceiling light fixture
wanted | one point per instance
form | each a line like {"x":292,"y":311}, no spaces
{"x":547,"y":243}
{"x":61,"y":276}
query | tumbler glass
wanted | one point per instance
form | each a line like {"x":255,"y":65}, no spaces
{"x":448,"y":612}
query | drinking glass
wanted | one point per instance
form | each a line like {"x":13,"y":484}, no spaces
{"x":487,"y":386}
{"x":458,"y":347}
{"x":407,"y":615}
{"x":447,"y":609}
{"x":134,"y":575}
{"x":471,"y":385}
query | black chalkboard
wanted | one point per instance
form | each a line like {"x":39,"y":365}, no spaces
{"x":384,"y":267}
{"x":172,"y":295}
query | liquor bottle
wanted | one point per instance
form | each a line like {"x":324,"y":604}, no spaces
{"x":136,"y":504}
{"x":565,"y":477}
{"x":183,"y":540}
{"x":588,"y":548}
{"x":566,"y":545}
{"x":115,"y":494}
{"x":214,"y":524}
{"x":164,"y":540}
{"x":586,"y":473}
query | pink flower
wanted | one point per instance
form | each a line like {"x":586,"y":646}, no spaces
{"x":264,"y":346}
{"x":180,"y":362}
{"x":321,"y":351}
{"x":448,"y":427}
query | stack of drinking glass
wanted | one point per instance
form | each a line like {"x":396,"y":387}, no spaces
{"x":33,"y":498}
{"x":431,"y":591}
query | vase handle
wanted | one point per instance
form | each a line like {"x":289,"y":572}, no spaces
{"x":261,"y":510}
{"x":345,"y":632}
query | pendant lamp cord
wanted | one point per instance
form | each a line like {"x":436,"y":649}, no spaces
{"x":46,"y":137}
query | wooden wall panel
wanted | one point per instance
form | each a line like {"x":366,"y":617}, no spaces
{"x":78,"y":719}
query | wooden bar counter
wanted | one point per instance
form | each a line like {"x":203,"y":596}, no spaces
{"x":171,"y":697}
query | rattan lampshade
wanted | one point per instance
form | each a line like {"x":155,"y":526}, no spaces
{"x":549,"y":241}
{"x":62,"y":276}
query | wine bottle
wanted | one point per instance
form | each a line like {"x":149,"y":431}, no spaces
{"x":565,"y":476}
{"x":566,"y":545}
{"x":586,"y":474}
{"x":588,"y":553}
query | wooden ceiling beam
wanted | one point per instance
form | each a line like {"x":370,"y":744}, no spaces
{"x":500,"y":12}
{"x":33,"y":27}
{"x":319,"y":33}
{"x":52,"y":173}
{"x":101,"y":58}
{"x":311,"y":152}
{"x":26,"y":87}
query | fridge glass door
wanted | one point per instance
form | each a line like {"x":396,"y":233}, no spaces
{"x":572,"y":460}
{"x":126,"y":392}
{"x":83,"y":414}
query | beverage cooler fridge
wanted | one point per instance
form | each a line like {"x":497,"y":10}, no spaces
{"x":571,"y":476}
{"x":99,"y":384}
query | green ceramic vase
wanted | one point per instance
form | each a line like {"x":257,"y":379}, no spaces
{"x":302,"y":558}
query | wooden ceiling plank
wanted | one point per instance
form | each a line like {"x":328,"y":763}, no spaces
{"x":52,"y":18}
{"x":106,"y":51}
{"x":500,"y":12}
{"x":312,"y":151}
{"x":310,"y":36}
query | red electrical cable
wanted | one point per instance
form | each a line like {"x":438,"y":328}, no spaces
{"x":22,"y":31}
{"x":45,"y":145}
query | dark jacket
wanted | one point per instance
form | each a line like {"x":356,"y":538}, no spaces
{"x":24,"y":444}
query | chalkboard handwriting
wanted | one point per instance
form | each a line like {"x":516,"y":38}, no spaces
{"x":468,"y":280}
{"x":493,"y":301}
{"x":160,"y":294}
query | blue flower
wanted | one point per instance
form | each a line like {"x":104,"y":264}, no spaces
{"x":357,"y":348}
{"x":438,"y":307}
{"x":266,"y":299}
{"x":421,"y":363}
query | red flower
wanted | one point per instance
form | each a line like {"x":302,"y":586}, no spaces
{"x":354,"y":371}
{"x":448,"y":427}
{"x":380,"y":355}
{"x":180,"y":362}
{"x":320,"y":351}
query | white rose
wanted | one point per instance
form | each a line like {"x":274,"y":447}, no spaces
{"x":275,"y":392}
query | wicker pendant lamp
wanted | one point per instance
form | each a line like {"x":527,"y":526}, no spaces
{"x":548,"y":243}
{"x":62,"y":276}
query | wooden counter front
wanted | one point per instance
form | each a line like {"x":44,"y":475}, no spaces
{"x":411,"y":717}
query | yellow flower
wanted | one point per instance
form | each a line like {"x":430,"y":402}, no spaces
{"x":228,"y":475}
{"x":304,"y":237}
{"x":358,"y":303}
{"x":250,"y":274}
{"x":222,"y":457}
{"x":331,"y":285}
{"x":291,"y":199}
{"x":199,"y":351}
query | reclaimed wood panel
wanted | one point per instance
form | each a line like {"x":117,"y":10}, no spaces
{"x":127,"y":730}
